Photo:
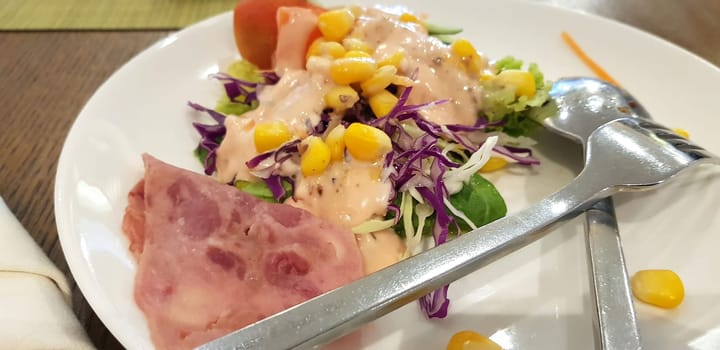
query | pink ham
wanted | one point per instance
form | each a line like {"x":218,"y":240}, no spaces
{"x":212,"y":259}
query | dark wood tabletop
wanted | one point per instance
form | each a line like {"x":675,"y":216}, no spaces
{"x":47,"y":76}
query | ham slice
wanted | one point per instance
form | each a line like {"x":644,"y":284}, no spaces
{"x":212,"y":259}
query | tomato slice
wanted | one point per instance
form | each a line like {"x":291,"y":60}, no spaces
{"x":256,"y":28}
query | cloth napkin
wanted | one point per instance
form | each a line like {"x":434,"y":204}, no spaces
{"x":34,"y":295}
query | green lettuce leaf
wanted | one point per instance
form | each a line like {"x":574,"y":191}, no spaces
{"x":260,"y":190}
{"x":242,"y":70}
{"x":479,"y":200}
{"x":519,"y":113}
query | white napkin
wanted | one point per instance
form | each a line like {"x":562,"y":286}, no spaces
{"x":34,"y":295}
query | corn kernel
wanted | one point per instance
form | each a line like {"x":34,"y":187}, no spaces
{"x":382,"y":103}
{"x":321,"y":47}
{"x":493,"y":164}
{"x":354,"y":44}
{"x":661,"y":288}
{"x":346,"y":71}
{"x":270,"y":135}
{"x":394,"y":60}
{"x":409,"y":17}
{"x":336,"y":142}
{"x":356,"y":10}
{"x":487,"y":77}
{"x":523,"y":81}
{"x":475,"y":64}
{"x":357,"y":53}
{"x":382,"y":78}
{"x":366,"y":143}
{"x":341,"y":98}
{"x":682,"y":132}
{"x":402,"y":81}
{"x":318,"y":65}
{"x":463,"y":49}
{"x":336,"y":24}
{"x":316,"y":157}
{"x":469,"y":340}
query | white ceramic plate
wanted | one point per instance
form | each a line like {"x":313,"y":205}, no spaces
{"x":536,"y":298}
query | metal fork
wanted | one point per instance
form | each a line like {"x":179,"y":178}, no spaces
{"x":613,"y":309}
{"x":620,"y":155}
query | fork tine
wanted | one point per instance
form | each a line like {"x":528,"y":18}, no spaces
{"x":677,"y":141}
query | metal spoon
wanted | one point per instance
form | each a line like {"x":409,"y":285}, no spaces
{"x":615,"y":319}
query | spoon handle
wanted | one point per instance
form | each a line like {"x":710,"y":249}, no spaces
{"x":613,"y":304}
{"x":338,"y":312}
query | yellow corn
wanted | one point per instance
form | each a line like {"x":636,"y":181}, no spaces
{"x":366,"y":143}
{"x":466,"y":52}
{"x":316,"y":157}
{"x":661,"y":288}
{"x":356,"y":10}
{"x":487,"y":77}
{"x":270,"y":135}
{"x":322,"y":47}
{"x":336,"y":142}
{"x":682,"y":132}
{"x":409,"y":17}
{"x":336,"y":24}
{"x":346,"y":71}
{"x":341,"y":98}
{"x":523,"y":81}
{"x":382,"y":103}
{"x":354,"y":44}
{"x":469,"y":340}
{"x":402,"y":81}
{"x":357,"y":53}
{"x":463,"y":49}
{"x":382,"y":78}
{"x":318,"y":65}
{"x":493,"y":164}
{"x":393,"y":60}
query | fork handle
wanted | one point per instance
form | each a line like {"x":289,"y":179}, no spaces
{"x":338,"y":312}
{"x":613,"y":304}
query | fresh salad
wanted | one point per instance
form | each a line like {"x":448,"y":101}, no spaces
{"x":373,"y":119}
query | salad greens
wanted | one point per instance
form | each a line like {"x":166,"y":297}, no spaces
{"x":501,"y":104}
{"x":436,"y":189}
{"x":262,"y":190}
{"x":478,"y":200}
{"x":246,"y":71}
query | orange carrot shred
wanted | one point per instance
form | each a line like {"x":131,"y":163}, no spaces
{"x":599,"y":71}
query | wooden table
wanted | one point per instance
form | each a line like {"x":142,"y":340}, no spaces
{"x":46,"y":77}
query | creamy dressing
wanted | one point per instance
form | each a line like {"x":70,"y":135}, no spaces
{"x":297,"y":99}
{"x":380,"y":249}
{"x":347,"y":193}
{"x":292,"y":39}
{"x":440,"y":75}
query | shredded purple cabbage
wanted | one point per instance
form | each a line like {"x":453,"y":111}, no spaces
{"x":211,"y":135}
{"x":407,"y":171}
{"x":279,"y":155}
{"x":521,"y":155}
{"x":406,"y":165}
{"x":274,"y":183}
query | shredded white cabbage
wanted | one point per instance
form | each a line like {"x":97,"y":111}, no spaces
{"x":373,"y":225}
{"x":455,"y":178}
{"x":459,"y":214}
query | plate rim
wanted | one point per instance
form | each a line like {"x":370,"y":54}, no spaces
{"x":73,"y":253}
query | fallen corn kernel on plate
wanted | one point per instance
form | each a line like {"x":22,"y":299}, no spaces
{"x":536,"y":298}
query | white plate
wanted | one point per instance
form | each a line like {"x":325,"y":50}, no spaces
{"x":536,"y":298}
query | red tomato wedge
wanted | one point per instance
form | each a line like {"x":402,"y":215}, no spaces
{"x":256,"y":28}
